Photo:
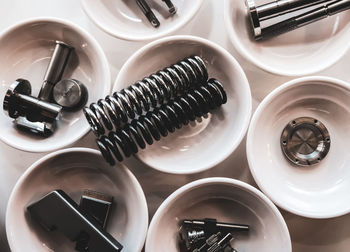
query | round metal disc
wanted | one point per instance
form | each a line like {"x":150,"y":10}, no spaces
{"x":305,"y":141}
{"x":70,"y":94}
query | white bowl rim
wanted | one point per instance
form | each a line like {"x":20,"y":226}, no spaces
{"x":250,"y":141}
{"x":216,"y":180}
{"x":217,"y":47}
{"x":130,"y":37}
{"x":49,"y":156}
{"x":104,"y":67}
{"x":279,"y":71}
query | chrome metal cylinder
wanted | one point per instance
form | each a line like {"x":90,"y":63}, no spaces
{"x":55,"y":69}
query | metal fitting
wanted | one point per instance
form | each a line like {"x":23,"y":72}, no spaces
{"x":146,"y":10}
{"x":305,"y":141}
{"x":44,"y":129}
{"x":55,"y":69}
{"x":171,"y":6}
{"x":18,"y":102}
{"x":257,"y":14}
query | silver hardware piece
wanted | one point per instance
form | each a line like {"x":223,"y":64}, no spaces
{"x":18,"y":102}
{"x":55,"y":69}
{"x":70,"y":94}
{"x":257,"y":14}
{"x":44,"y":129}
{"x":146,"y":10}
{"x":305,"y":141}
{"x":171,"y":6}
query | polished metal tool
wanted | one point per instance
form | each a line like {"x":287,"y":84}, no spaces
{"x":146,"y":10}
{"x":212,"y":226}
{"x":71,"y":94}
{"x":276,"y":8}
{"x":217,"y":243}
{"x":18,"y":102}
{"x":57,"y":211}
{"x":305,"y":141}
{"x":313,"y":15}
{"x":55,"y":69}
{"x":171,"y":6}
{"x":44,"y":129}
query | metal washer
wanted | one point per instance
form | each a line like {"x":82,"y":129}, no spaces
{"x":305,"y":141}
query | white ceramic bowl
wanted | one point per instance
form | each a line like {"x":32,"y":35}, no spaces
{"x":26,"y":49}
{"x":123,"y":19}
{"x":74,"y":170}
{"x":306,"y":50}
{"x":226,"y":200}
{"x":200,"y":145}
{"x":318,"y":191}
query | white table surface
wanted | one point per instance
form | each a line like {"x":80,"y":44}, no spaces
{"x":307,"y":235}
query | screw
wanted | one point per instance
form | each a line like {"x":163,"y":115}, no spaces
{"x":55,"y":69}
{"x":18,"y":102}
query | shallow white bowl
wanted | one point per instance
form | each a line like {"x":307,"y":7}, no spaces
{"x":318,"y":191}
{"x":306,"y":50}
{"x":74,"y":170}
{"x":26,"y":49}
{"x":226,"y":200}
{"x":123,"y":19}
{"x":200,"y":145}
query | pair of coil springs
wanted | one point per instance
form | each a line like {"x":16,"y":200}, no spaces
{"x":163,"y":102}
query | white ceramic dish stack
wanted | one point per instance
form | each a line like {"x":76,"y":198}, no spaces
{"x":74,"y":170}
{"x":201,"y":145}
{"x":318,"y":191}
{"x":123,"y":19}
{"x":226,"y":200}
{"x":304,"y":51}
{"x":26,"y":49}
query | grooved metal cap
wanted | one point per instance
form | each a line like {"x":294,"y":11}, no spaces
{"x":305,"y":141}
{"x":254,"y":18}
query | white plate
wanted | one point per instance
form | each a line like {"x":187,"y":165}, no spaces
{"x":200,"y":145}
{"x":307,"y":50}
{"x":74,"y":170}
{"x":124,"y":19}
{"x":226,"y":200}
{"x":318,"y":191}
{"x":26,"y":49}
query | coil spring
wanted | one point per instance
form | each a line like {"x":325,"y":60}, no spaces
{"x":157,"y":89}
{"x":161,"y":121}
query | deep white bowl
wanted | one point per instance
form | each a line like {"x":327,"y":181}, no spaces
{"x":74,"y":170}
{"x":318,"y":191}
{"x":201,"y":145}
{"x":226,"y":200}
{"x":306,"y":50}
{"x":26,"y":49}
{"x":124,"y":19}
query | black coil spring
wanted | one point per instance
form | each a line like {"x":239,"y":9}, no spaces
{"x":157,"y":89}
{"x":162,"y":120}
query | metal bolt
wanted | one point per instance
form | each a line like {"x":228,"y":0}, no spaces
{"x":55,"y":69}
{"x":18,"y":102}
{"x":44,"y":129}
